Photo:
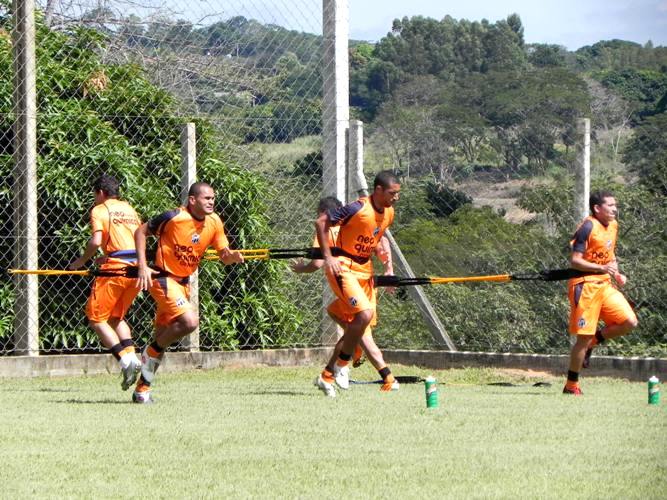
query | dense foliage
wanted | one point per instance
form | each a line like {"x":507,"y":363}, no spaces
{"x":96,"y":118}
{"x":446,"y":102}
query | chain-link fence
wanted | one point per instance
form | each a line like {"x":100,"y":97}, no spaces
{"x":116,"y":83}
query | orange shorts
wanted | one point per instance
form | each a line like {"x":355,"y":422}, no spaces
{"x":172,"y":297}
{"x":594,"y":301}
{"x":110,"y":297}
{"x":353,"y":294}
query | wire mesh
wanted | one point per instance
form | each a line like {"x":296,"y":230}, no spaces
{"x":117,"y":80}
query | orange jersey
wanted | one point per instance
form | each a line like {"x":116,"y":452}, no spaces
{"x":182,"y":240}
{"x":117,"y":221}
{"x":596,"y":243}
{"x":361,"y":228}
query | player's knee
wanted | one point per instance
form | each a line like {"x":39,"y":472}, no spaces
{"x":189,"y":323}
{"x":365,"y":317}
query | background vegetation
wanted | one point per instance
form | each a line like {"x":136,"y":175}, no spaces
{"x":480,"y":125}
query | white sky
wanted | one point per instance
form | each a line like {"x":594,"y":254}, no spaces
{"x":571,"y":23}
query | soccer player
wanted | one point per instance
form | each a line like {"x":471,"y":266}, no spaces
{"x":113,"y":223}
{"x":594,"y":297}
{"x":362,"y":225}
{"x":367,"y":342}
{"x":183,"y":235}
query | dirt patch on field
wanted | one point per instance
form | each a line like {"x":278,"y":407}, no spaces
{"x":498,"y":193}
{"x":526,"y":374}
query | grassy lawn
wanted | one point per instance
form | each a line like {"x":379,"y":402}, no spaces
{"x":267,"y":432}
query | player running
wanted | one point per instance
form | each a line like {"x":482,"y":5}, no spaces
{"x":594,"y":297}
{"x":367,"y":342}
{"x":113,"y":223}
{"x":183,"y":235}
{"x":362,"y":225}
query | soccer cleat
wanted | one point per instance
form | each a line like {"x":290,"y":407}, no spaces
{"x":342,"y":376}
{"x":326,"y":387}
{"x":390,"y":386}
{"x":130,"y":373}
{"x":149,"y":365}
{"x":143,"y":397}
{"x":575,"y":391}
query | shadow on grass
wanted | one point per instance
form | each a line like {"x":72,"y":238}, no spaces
{"x":278,"y":392}
{"x":93,"y":401}
{"x":40,"y":389}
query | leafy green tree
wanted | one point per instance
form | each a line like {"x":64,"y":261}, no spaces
{"x":646,"y":153}
{"x":96,"y":117}
{"x":642,"y":89}
{"x":542,"y":55}
{"x":445,"y":200}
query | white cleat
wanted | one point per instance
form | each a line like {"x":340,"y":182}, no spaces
{"x":143,"y":398}
{"x":130,"y":373}
{"x":342,"y":376}
{"x":327,"y":388}
{"x":394,"y":386}
{"x":149,"y":365}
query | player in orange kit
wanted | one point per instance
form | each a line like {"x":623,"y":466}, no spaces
{"x":336,"y":309}
{"x":594,"y":297}
{"x":113,"y":223}
{"x":183,"y":235}
{"x":362,"y":225}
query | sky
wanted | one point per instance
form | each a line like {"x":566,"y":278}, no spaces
{"x":570,"y":23}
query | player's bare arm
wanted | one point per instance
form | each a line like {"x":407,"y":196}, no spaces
{"x":228,"y":256}
{"x":144,"y":273}
{"x":577,"y":261}
{"x":94,"y":243}
{"x":322,"y":230}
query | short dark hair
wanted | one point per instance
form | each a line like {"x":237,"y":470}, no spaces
{"x":385,"y":179}
{"x":328,"y":203}
{"x":597,"y":198}
{"x":196,"y":188}
{"x":108,"y":184}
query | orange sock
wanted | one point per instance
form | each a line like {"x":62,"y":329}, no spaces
{"x":388,"y":383}
{"x":358,"y":353}
{"x":327,"y":376}
{"x":152,"y":352}
{"x":127,"y":350}
{"x":571,"y":385}
{"x":142,"y":386}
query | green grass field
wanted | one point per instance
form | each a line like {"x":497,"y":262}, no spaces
{"x":267,"y":432}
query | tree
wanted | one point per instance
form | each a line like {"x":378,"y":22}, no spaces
{"x":542,"y":55}
{"x":646,"y":153}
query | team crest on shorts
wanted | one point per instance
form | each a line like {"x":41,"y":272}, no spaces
{"x":581,"y":323}
{"x":353,"y":301}
{"x":195,"y":238}
{"x":180,"y":302}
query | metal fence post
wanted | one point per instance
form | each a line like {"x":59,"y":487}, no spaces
{"x":335,"y":121}
{"x":583,"y":169}
{"x":26,"y":320}
{"x":188,"y":177}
